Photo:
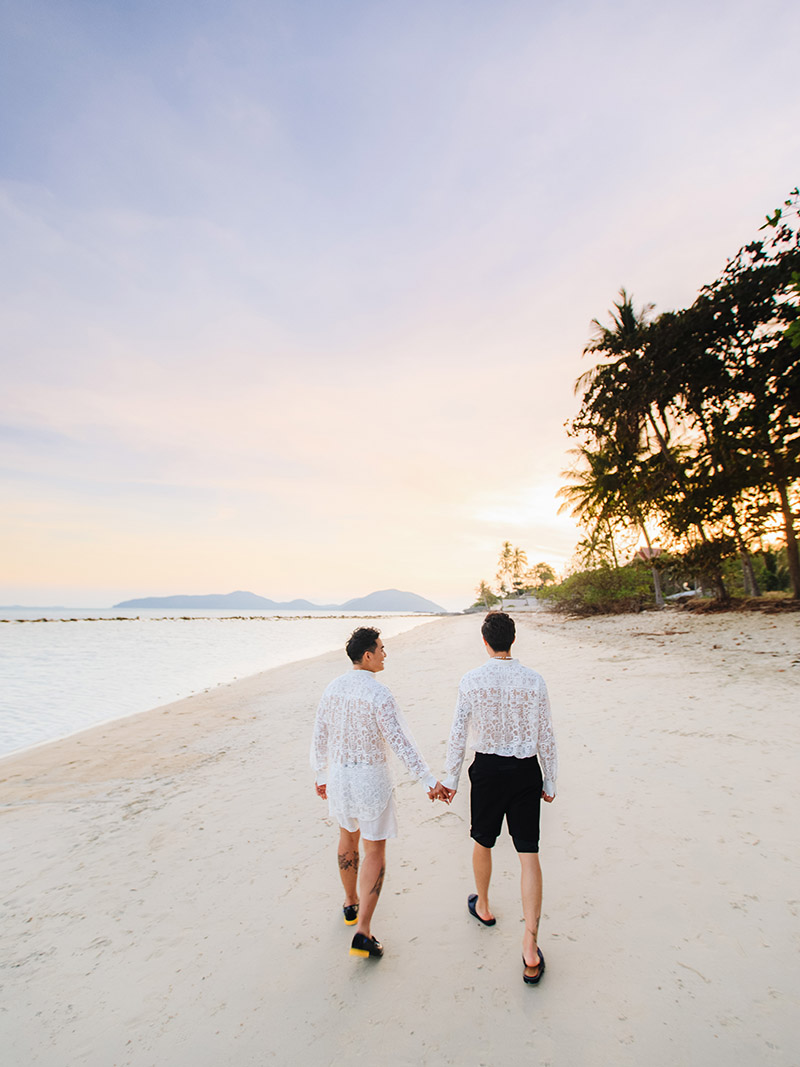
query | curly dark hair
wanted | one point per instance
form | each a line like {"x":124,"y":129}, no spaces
{"x":364,"y":639}
{"x":499,"y":631}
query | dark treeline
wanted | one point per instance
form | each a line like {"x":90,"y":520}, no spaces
{"x":690,"y":421}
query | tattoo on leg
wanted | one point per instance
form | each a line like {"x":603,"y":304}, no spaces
{"x":376,"y":889}
{"x":348,"y":861}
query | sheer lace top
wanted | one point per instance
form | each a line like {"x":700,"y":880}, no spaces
{"x":502,"y":708}
{"x":356,"y":719}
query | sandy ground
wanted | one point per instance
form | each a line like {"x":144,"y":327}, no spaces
{"x":170,"y":893}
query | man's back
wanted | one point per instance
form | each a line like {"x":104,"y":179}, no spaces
{"x":506,"y":703}
{"x":503,"y":708}
{"x":350,"y":710}
{"x":357,"y":718}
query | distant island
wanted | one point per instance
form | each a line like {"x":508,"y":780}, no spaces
{"x":383,"y":600}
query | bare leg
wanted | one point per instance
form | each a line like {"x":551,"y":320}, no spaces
{"x":531,"y":885}
{"x":482,"y":869}
{"x":348,"y":863}
{"x":370,"y":883}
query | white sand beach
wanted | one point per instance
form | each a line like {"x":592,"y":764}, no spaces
{"x":170,"y":893}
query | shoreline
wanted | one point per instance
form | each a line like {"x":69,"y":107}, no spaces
{"x":238,"y":618}
{"x":192,"y":682}
{"x":172,"y":893}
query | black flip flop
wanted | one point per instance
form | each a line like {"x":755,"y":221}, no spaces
{"x":527,"y":979}
{"x":472,"y":900}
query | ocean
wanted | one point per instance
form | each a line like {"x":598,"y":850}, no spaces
{"x":63,"y":670}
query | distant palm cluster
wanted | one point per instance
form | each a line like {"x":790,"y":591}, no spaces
{"x":515,"y":577}
{"x":688,"y":434}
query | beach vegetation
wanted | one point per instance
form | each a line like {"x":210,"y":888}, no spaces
{"x":771,"y":573}
{"x":514,"y":578}
{"x":687,"y":439}
{"x":485,"y":597}
{"x":601,"y":591}
{"x":512,"y":570}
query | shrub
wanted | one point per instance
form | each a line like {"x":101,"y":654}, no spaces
{"x":601,"y":592}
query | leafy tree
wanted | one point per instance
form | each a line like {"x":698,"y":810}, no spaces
{"x":779,"y":218}
{"x":690,"y":422}
{"x":630,"y":468}
{"x":540,"y":575}
{"x":740,"y":323}
{"x":485,"y":596}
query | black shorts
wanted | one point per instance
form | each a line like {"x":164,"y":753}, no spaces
{"x":510,"y":787}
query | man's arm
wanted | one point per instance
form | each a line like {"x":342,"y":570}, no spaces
{"x":319,"y":751}
{"x":398,"y":737}
{"x":457,"y":743}
{"x":546,"y":745}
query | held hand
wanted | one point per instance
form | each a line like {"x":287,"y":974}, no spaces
{"x":441,"y":792}
{"x":546,"y":798}
{"x":322,"y":791}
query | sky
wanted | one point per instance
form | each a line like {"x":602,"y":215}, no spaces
{"x":294,"y":295}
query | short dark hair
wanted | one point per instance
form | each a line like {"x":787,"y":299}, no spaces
{"x":499,"y":631}
{"x":364,"y":639}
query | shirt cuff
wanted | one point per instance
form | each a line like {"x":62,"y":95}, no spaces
{"x":428,"y":782}
{"x":322,"y":778}
{"x":549,"y":787}
{"x":450,"y":781}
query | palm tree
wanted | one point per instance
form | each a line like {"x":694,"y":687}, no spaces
{"x":519,"y":566}
{"x":485,"y":596}
{"x":626,"y":400}
{"x":610,"y":489}
{"x":505,"y":568}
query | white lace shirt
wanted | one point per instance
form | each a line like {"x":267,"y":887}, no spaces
{"x":357,"y":717}
{"x":502,"y":708}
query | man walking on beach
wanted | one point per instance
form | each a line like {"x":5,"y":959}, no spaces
{"x":356,"y":719}
{"x":506,"y":709}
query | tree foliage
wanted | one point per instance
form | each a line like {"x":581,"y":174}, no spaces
{"x":515,"y":577}
{"x":601,"y":591}
{"x":689,"y":425}
{"x":485,"y":597}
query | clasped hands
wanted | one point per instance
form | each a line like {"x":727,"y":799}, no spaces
{"x":437,"y":792}
{"x":441,"y":792}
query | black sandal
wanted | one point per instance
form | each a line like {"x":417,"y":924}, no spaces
{"x":472,"y":900}
{"x":536,"y":978}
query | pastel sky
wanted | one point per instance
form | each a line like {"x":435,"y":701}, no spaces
{"x":294,"y":294}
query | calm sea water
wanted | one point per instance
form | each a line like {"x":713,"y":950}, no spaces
{"x":62,"y":671}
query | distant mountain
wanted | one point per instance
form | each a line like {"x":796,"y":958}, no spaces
{"x":238,"y":600}
{"x":391,"y":600}
{"x":385,"y":600}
